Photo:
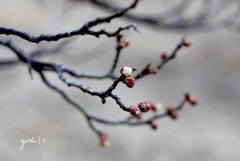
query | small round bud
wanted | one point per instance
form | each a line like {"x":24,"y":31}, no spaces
{"x":144,"y":106}
{"x":153,"y":125}
{"x":152,"y":69}
{"x":187,"y":96}
{"x":193,"y":101}
{"x":135,"y":111}
{"x":129,"y":81}
{"x":186,"y":43}
{"x":118,"y":47}
{"x":164,"y":55}
{"x":126,"y":71}
{"x":156,"y":106}
{"x":104,"y":140}
{"x":171,"y":113}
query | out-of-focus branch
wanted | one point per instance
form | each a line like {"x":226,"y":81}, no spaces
{"x":85,"y":29}
{"x":177,"y":19}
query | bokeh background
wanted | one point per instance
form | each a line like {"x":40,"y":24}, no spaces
{"x":210,"y":69}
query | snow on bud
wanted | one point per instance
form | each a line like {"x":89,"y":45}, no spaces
{"x":156,"y":106}
{"x":126,"y":71}
{"x":144,"y":106}
{"x":135,"y":111}
{"x":152,"y":69}
{"x":104,"y":140}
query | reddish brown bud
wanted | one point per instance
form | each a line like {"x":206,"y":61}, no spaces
{"x":126,"y":71}
{"x":124,"y":43}
{"x":164,"y":55}
{"x":104,"y":139}
{"x":119,"y":37}
{"x":187,"y":96}
{"x":118,"y":47}
{"x":135,"y":111}
{"x":152,"y":69}
{"x":186,"y":43}
{"x":153,"y":125}
{"x":171,"y":113}
{"x":129,"y":81}
{"x":193,"y":101}
{"x":144,"y":106}
{"x":155,"y":106}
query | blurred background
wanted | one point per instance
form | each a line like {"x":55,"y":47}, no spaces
{"x":209,"y":69}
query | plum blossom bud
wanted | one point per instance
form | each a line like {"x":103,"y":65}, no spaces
{"x":164,"y":55}
{"x":119,"y":47}
{"x":153,"y":125}
{"x":135,"y":111}
{"x":144,"y":106}
{"x":104,"y":140}
{"x":186,"y":43}
{"x":129,"y":81}
{"x":119,"y":37}
{"x":171,"y":113}
{"x":156,"y":106}
{"x":191,"y":99}
{"x":152,"y":69}
{"x":126,"y":71}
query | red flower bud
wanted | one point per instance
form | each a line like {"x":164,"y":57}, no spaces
{"x":119,"y":37}
{"x":187,"y":96}
{"x":191,"y":99}
{"x":153,"y":125}
{"x":119,"y":47}
{"x":144,"y":106}
{"x":129,"y":81}
{"x":104,"y":139}
{"x":186,"y":43}
{"x":164,"y":55}
{"x":126,"y":71}
{"x":171,"y":113}
{"x":152,"y":69}
{"x":155,"y":106}
{"x":135,"y":111}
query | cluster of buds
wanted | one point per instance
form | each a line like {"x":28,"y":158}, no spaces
{"x":144,"y":106}
{"x":191,"y":99}
{"x":126,"y":72}
{"x":153,"y":125}
{"x":186,"y":43}
{"x":171,"y":112}
{"x":152,"y":70}
{"x":104,"y":139}
{"x":163,"y":55}
{"x":121,"y":43}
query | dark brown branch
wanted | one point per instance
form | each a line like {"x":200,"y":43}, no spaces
{"x":163,"y":61}
{"x":81,"y":31}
